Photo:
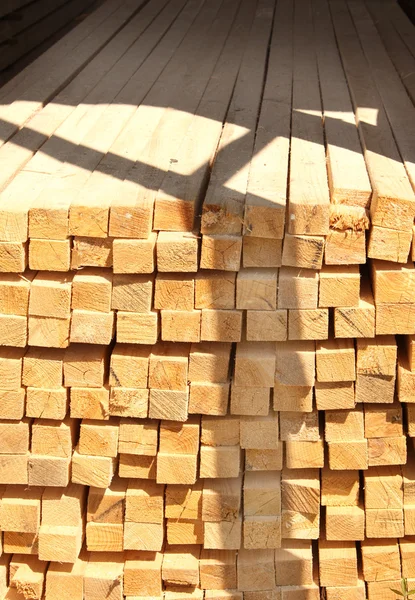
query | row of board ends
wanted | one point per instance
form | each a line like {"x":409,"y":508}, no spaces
{"x":188,"y":252}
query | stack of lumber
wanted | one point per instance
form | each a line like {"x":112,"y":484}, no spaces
{"x":207,"y":305}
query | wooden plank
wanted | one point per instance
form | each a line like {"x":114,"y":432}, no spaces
{"x":20,"y":104}
{"x":91,"y":217}
{"x":398,"y":106}
{"x":261,"y":252}
{"x":138,"y":438}
{"x":66,"y":123}
{"x":344,"y":425}
{"x":209,"y":362}
{"x":14,"y":23}
{"x":348,"y":178}
{"x":96,"y":471}
{"x":297,"y":288}
{"x":34,"y":35}
{"x":96,"y":252}
{"x":11,"y":363}
{"x":266,"y":326}
{"x":257,"y":289}
{"x":345,"y":523}
{"x":304,"y":455}
{"x":293,"y":398}
{"x":356,"y":321}
{"x":221,"y":252}
{"x":297,"y":426}
{"x":383,"y":420}
{"x":300,"y":503}
{"x":168,"y":125}
{"x":345,"y":247}
{"x":343,"y":217}
{"x":92,"y":289}
{"x":181,"y":192}
{"x":392,"y":283}
{"x":26,"y":77}
{"x":380,"y":560}
{"x":85,"y":365}
{"x":308,"y":209}
{"x":389,"y":244}
{"x":28,"y":573}
{"x":103,"y":575}
{"x":142,"y":574}
{"x":223,"y":206}
{"x":403,"y":25}
{"x":398,"y":51}
{"x":214,"y":289}
{"x":308,"y":324}
{"x":339,"y":286}
{"x":337,"y":563}
{"x":339,"y":488}
{"x":335,"y":361}
{"x":133,"y":256}
{"x":303,"y":251}
{"x":266,"y":195}
{"x":173,"y":291}
{"x":294,"y":563}
{"x":66,"y":581}
{"x":390,"y":183}
{"x":295,"y":363}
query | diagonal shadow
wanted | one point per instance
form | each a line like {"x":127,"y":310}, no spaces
{"x":123,"y":168}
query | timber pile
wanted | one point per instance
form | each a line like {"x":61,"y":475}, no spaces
{"x":207,"y":314}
